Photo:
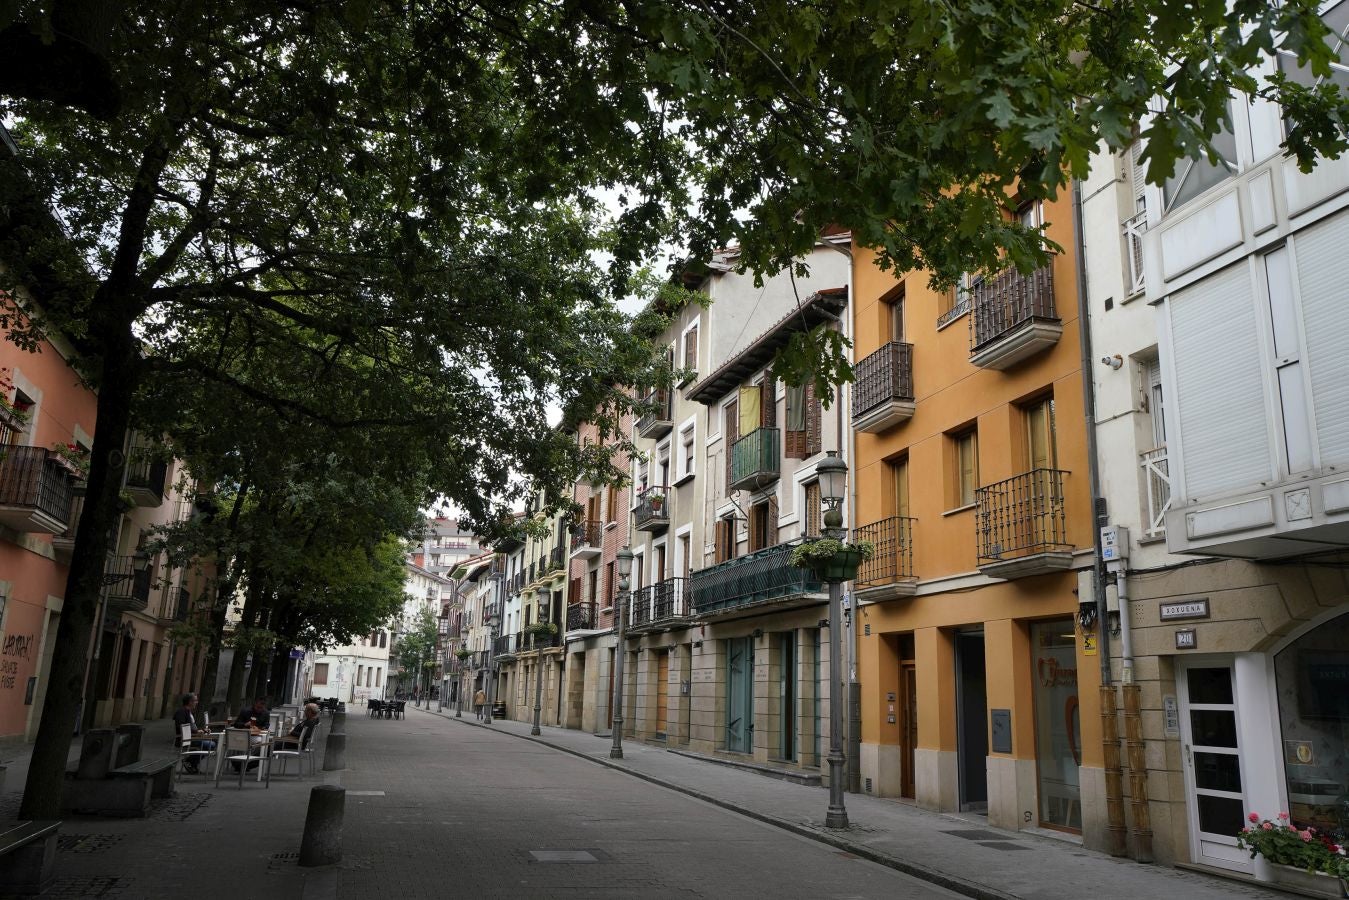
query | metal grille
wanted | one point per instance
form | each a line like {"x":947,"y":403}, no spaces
{"x":1158,"y":474}
{"x":658,"y":603}
{"x":146,"y":471}
{"x":1022,"y":516}
{"x":1008,"y":300}
{"x":883,"y":376}
{"x":763,"y":575}
{"x":30,"y":477}
{"x":653,"y":507}
{"x":586,"y":534}
{"x":128,"y":587}
{"x":756,"y":458}
{"x":893,"y":559}
{"x":1133,"y":247}
{"x":958,"y":309}
{"x":581,"y":616}
{"x":659,"y":415}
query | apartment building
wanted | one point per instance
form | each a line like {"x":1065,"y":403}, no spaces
{"x":540,"y":587}
{"x":1221,"y":335}
{"x":979,"y":690}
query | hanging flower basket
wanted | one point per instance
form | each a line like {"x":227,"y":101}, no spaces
{"x":11,"y":418}
{"x":463,"y":654}
{"x":832,"y":560}
{"x":541,"y":630}
{"x":73,"y":458}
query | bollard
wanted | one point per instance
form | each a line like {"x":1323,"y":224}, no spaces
{"x":322,"y":843}
{"x":335,"y":752}
{"x":339,"y":722}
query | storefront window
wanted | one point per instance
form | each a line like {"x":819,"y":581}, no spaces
{"x":1312,"y":675}
{"x":1058,"y":736}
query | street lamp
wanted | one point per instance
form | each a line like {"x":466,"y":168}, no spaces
{"x":833,"y":475}
{"x":493,"y":623}
{"x":544,"y":596}
{"x":624,"y":563}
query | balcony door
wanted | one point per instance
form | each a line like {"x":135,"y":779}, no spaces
{"x":899,"y":473}
{"x":1035,"y":521}
{"x":740,"y":694}
{"x":896,"y":310}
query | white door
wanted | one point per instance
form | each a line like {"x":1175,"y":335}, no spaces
{"x":1215,"y":788}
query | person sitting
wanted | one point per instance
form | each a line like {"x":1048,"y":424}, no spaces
{"x":300,"y":733}
{"x":186,"y":715}
{"x":255,"y":716}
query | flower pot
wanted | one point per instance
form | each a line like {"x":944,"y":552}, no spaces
{"x":11,"y":418}
{"x":842,"y":566}
{"x":1313,"y":882}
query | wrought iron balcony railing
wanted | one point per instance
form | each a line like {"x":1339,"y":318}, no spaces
{"x":1004,"y":302}
{"x":587,"y":537}
{"x":63,"y":544}
{"x":182,"y":604}
{"x":762,"y":576}
{"x":146,"y":471}
{"x":893,"y":559}
{"x":1022,"y":516}
{"x":557,"y":558}
{"x":756,"y":459}
{"x":35,"y":491}
{"x":125,"y":586}
{"x":652,"y":512}
{"x":657,"y":422}
{"x":657,"y":604}
{"x":1157,"y":471}
{"x":883,"y":378}
{"x":505,"y":645}
{"x":582,"y":616}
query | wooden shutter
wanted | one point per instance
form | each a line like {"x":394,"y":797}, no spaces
{"x":732,"y":429}
{"x":768,"y":414}
{"x":812,"y":517}
{"x":574,"y":591}
{"x":794,"y":443}
{"x":772,"y":529}
{"x":691,"y":348}
{"x":814,"y":430}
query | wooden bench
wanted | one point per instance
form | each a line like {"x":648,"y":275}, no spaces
{"x":159,"y":772}
{"x":27,"y":857}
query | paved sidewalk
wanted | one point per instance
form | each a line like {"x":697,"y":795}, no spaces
{"x":962,"y":853}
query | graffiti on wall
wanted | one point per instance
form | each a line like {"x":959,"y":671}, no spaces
{"x":15,"y":648}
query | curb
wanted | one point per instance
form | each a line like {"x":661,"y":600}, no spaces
{"x":916,"y":870}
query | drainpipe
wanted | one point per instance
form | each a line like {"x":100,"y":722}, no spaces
{"x":1094,"y":613}
{"x":1133,"y":731}
{"x":853,"y":721}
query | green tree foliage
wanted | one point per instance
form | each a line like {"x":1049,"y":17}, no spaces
{"x":414,"y":650}
{"x":360,"y":215}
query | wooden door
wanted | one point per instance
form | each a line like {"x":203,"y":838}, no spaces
{"x":908,"y":727}
{"x":662,"y":692}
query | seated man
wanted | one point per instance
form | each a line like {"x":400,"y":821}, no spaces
{"x":186,"y":715}
{"x":300,"y":732}
{"x":255,"y":716}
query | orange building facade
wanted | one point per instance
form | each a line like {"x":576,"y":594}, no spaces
{"x":979,"y":689}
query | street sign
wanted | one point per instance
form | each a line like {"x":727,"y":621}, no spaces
{"x":297,"y":654}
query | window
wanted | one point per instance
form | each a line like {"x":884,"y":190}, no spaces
{"x":662,"y":475}
{"x":956,"y":302}
{"x":1030,"y":215}
{"x":379,"y":677}
{"x":360,"y":676}
{"x":384,"y":639}
{"x":895,"y":312}
{"x":691,"y":348}
{"x":1040,"y":450}
{"x":611,"y":502}
{"x":763,"y":525}
{"x":1194,"y":176}
{"x":965,"y":456}
{"x":804,"y":436}
{"x":731,"y":429}
{"x":592,"y":587}
{"x":899,"y":479}
{"x":685,"y":554}
{"x":320,"y":673}
{"x":814,"y":511}
{"x":610,"y":585}
{"x":1337,"y":20}
{"x":725,"y":538}
{"x":685,"y":465}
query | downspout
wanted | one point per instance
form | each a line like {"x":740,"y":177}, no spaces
{"x":1092,"y":614}
{"x":1136,"y":748}
{"x":853,"y":720}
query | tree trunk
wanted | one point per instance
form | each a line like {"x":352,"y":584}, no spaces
{"x":234,"y":692}
{"x":65,"y":687}
{"x":227,"y":582}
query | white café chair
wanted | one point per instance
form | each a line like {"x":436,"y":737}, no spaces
{"x":239,"y":746}
{"x":186,"y":752}
{"x":304,"y":749}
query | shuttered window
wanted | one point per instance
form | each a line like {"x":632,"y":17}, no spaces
{"x":1321,"y":282}
{"x":813,"y":511}
{"x":691,"y":348}
{"x":804,"y":435}
{"x":814,"y":431}
{"x":966,"y":467}
{"x":732,"y":434}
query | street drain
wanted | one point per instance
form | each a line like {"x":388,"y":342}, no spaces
{"x":80,"y":888}
{"x":85,"y":843}
{"x":565,"y":856}
{"x":1002,"y":845}
{"x":281,"y":862}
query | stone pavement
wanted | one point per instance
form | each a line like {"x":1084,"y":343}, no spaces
{"x":962,"y":852}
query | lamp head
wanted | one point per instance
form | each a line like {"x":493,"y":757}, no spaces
{"x":624,"y":561}
{"x":833,"y":475}
{"x":545,"y":596}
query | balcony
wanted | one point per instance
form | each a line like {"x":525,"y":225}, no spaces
{"x":657,"y":422}
{"x":756,"y":460}
{"x":889,"y":573}
{"x":1022,"y":528}
{"x":146,"y":472}
{"x":657,"y":605}
{"x":653,"y":509}
{"x":63,"y":544}
{"x":179,"y":605}
{"x":582,"y":616}
{"x":882,"y":395}
{"x":1014,"y":318}
{"x":505,"y":646}
{"x":1157,"y":476}
{"x":557,"y":559}
{"x":750,"y":582}
{"x":35,"y":491}
{"x":587,"y":539}
{"x":125,"y":587}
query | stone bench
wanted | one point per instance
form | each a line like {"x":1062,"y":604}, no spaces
{"x":27,"y":857}
{"x":125,"y":791}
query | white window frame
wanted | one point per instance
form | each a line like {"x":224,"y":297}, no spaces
{"x":680,"y":472}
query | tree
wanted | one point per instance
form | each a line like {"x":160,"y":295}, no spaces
{"x":401,"y":200}
{"x":415,"y":649}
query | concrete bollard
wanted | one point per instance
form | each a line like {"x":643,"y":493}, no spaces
{"x":322,"y":843}
{"x":335,"y":752}
{"x":339,"y":722}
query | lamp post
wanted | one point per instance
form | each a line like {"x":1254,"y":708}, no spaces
{"x":544,"y":596}
{"x":493,"y":623}
{"x":833,"y":475}
{"x":624,"y":563}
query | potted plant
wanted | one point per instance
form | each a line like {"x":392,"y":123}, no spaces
{"x":1299,"y":857}
{"x":10,"y":415}
{"x":541,"y":629}
{"x":73,"y":458}
{"x":831,"y":559}
{"x":463,"y":653}
{"x":657,"y":501}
